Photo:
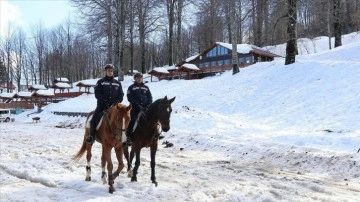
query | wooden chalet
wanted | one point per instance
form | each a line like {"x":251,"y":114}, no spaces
{"x":218,"y":57}
{"x":5,"y":86}
{"x":160,"y":72}
{"x":7,"y":97}
{"x":34,"y":88}
{"x":86,"y":84}
{"x":61,"y":86}
{"x":43,"y":97}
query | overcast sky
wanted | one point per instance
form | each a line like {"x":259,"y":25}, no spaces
{"x":29,"y":13}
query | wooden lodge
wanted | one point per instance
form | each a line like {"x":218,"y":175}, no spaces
{"x":217,"y":58}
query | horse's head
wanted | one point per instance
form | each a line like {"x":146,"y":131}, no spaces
{"x":121,"y":117}
{"x":164,"y":112}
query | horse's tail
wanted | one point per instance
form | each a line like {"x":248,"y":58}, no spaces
{"x":82,"y":150}
{"x":80,"y":153}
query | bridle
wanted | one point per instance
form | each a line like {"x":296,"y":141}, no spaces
{"x":117,"y":131}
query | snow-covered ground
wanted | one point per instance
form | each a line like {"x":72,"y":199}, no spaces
{"x":270,"y":133}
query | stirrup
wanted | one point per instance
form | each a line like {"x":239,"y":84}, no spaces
{"x":89,"y":139}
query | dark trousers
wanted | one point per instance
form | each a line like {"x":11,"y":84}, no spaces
{"x":95,"y":119}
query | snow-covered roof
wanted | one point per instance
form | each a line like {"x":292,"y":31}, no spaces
{"x":241,"y":48}
{"x":38,"y":87}
{"x":62,"y":85}
{"x":190,"y":66}
{"x":7,"y":95}
{"x":191,"y":58}
{"x":61,"y":79}
{"x":88,"y":82}
{"x":162,"y":70}
{"x":24,"y":94}
{"x":48,"y":92}
{"x":172,"y":67}
{"x":247,"y":48}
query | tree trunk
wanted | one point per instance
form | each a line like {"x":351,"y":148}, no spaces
{"x":234,"y":40}
{"x":179,"y":50}
{"x":328,"y":24}
{"x":337,"y":22}
{"x":109,"y":29}
{"x":131,"y":37}
{"x":171,"y":18}
{"x":291,"y":46}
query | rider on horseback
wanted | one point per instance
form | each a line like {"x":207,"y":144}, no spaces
{"x":140,"y":97}
{"x":108,"y":91}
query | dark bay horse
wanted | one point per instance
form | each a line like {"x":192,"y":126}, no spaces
{"x":110,"y":134}
{"x":150,"y":124}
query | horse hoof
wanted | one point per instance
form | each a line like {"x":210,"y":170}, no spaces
{"x":130,"y":174}
{"x":156,"y":184}
{"x":88,"y":179}
{"x":111,"y":190}
{"x":133,"y":179}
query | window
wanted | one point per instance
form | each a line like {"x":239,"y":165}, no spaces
{"x":249,"y":59}
{"x":220,"y":62}
{"x":227,"y":62}
{"x":211,"y":53}
{"x":222,"y":50}
{"x":242,"y":60}
{"x":214,"y":63}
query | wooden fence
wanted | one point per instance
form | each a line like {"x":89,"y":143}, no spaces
{"x":20,"y":104}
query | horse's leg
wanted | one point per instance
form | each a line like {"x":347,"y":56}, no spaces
{"x":126,"y":154}
{"x":132,"y":152}
{"x":103,"y":163}
{"x":107,"y":153}
{"x":88,"y":167}
{"x":153,"y":150}
{"x":127,"y":157}
{"x":137,"y":163}
{"x":119,"y":156}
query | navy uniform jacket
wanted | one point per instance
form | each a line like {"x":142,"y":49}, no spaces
{"x":139,"y":94}
{"x":108,"y":91}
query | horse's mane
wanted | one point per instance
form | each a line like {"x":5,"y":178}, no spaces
{"x":153,"y":107}
{"x":114,"y":110}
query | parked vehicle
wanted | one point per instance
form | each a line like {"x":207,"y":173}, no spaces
{"x":5,"y":115}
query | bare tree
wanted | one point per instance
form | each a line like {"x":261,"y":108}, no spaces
{"x":148,"y":16}
{"x":40,"y":51}
{"x":19,"y":49}
{"x":8,"y":47}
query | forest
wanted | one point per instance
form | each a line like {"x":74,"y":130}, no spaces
{"x":143,"y":34}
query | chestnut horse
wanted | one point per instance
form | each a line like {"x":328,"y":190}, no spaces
{"x":111,"y":134}
{"x":150,"y":124}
